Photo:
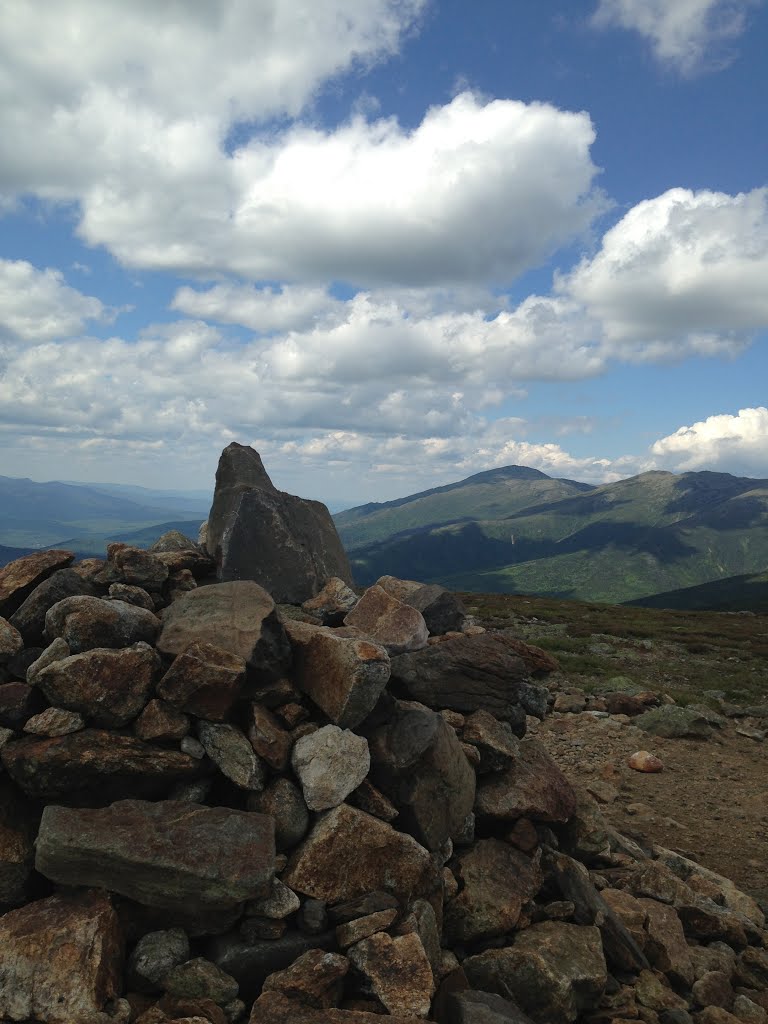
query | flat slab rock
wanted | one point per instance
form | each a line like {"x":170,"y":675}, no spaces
{"x":48,"y":768}
{"x":274,"y":1008}
{"x":240,"y":617}
{"x":60,"y":958}
{"x":166,"y":854}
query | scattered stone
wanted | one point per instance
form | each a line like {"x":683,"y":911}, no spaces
{"x":89,"y":622}
{"x":255,"y":532}
{"x":164,"y":854}
{"x":204,"y":680}
{"x":108,"y":687}
{"x":330,"y":763}
{"x":232,"y":754}
{"x":60,"y":958}
{"x":19,"y":578}
{"x":349,"y":853}
{"x":644,"y":761}
{"x":398,"y":971}
{"x":673,"y":722}
{"x":482,"y":1008}
{"x":54,"y":722}
{"x":343,"y":676}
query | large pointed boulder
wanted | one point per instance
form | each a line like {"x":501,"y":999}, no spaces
{"x":288,"y":545}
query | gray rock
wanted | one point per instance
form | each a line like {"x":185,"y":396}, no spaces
{"x":29,"y":619}
{"x":482,"y":1008}
{"x":419,"y":763}
{"x":154,"y":955}
{"x":165,"y":854}
{"x":443,"y":611}
{"x":109,"y":687}
{"x":11,"y":641}
{"x":19,"y":578}
{"x":132,"y":595}
{"x":88,"y":622}
{"x":54,"y":722}
{"x":239,"y":617}
{"x":532,"y":787}
{"x":255,"y":532}
{"x":232,"y":754}
{"x":673,"y":722}
{"x":330,"y":763}
{"x":280,"y":903}
{"x":55,"y":651}
{"x":282,"y":800}
{"x":201,"y":979}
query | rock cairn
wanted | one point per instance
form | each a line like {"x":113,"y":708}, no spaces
{"x":218,"y":809}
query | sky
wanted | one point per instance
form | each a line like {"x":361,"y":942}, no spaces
{"x":387,"y":243}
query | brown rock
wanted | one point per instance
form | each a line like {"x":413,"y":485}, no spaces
{"x":497,"y":744}
{"x":533,"y":787}
{"x":631,"y":911}
{"x":643,"y":761}
{"x":165,"y":854}
{"x":372,"y":801}
{"x":137,"y":568}
{"x":19,"y":578}
{"x":417,"y":760}
{"x":18,"y":703}
{"x":282,"y":800}
{"x":204,"y":680}
{"x":713,"y":989}
{"x":349,"y":853}
{"x":29,"y":618}
{"x":332,"y":603}
{"x":18,"y":826}
{"x":554,"y":970}
{"x":54,"y":722}
{"x":108,"y":687}
{"x":666,"y":947}
{"x":161,"y":721}
{"x":315,"y":979}
{"x":625,"y":704}
{"x":11,"y":641}
{"x":60,"y":958}
{"x":271,"y":742}
{"x":398,"y":971}
{"x":132,"y":595}
{"x":275,"y":1008}
{"x":389,"y":622}
{"x":539,"y":661}
{"x":239,"y":617}
{"x":343,"y":676}
{"x":443,"y":611}
{"x":467,"y":673}
{"x":363,"y":927}
{"x":232,"y":754}
{"x":653,"y":992}
{"x":49,"y":768}
{"x":498,"y":880}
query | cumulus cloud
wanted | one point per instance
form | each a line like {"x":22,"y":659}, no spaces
{"x":38,"y":305}
{"x":683,"y":272}
{"x":264,"y":310}
{"x":692,"y":35}
{"x":733,"y":444}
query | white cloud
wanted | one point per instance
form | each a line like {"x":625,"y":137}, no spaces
{"x":684,"y":272}
{"x":38,"y":305}
{"x":264,"y":310}
{"x":690,"y":34}
{"x":733,"y":444}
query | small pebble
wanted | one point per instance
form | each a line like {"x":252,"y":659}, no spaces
{"x":643,"y":761}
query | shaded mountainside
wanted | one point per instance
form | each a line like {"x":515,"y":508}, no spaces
{"x":747,"y":592}
{"x":34,"y":515}
{"x":623,"y":541}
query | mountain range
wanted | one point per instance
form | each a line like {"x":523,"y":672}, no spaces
{"x":517,"y":530}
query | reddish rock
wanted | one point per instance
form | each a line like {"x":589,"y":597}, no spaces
{"x":239,"y":617}
{"x":332,"y":603}
{"x":49,"y":768}
{"x":348,"y":853}
{"x":54,"y":722}
{"x":271,"y":742}
{"x":18,"y":703}
{"x":132,"y":595}
{"x":497,"y":881}
{"x":138,"y":568}
{"x":666,"y":947}
{"x":625,"y":704}
{"x":315,"y":979}
{"x":363,"y":927}
{"x":18,"y":827}
{"x":11,"y":641}
{"x":275,"y":1008}
{"x":108,"y":687}
{"x":89,"y":622}
{"x":533,"y":787}
{"x":204,"y":680}
{"x":161,"y":721}
{"x":164,"y":854}
{"x":443,"y":610}
{"x":398,"y":972}
{"x":343,"y":676}
{"x":19,"y":578}
{"x":373,"y":801}
{"x":644,"y":761}
{"x":389,"y":622}
{"x":60,"y":958}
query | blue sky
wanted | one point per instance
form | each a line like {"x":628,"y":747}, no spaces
{"x":389,"y":243}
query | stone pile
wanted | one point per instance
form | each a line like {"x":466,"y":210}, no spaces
{"x":218,"y":809}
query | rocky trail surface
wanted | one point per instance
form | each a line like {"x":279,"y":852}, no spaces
{"x":216,"y":808}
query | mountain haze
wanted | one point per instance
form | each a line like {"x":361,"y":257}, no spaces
{"x":622,"y":541}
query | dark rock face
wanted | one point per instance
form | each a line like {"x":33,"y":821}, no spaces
{"x":288,"y":545}
{"x":165,"y":854}
{"x":533,"y":787}
{"x":18,"y":579}
{"x":88,"y":622}
{"x":469,"y":673}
